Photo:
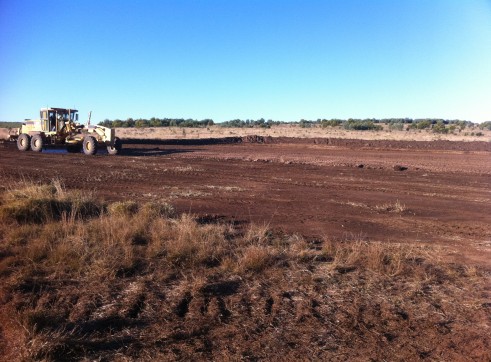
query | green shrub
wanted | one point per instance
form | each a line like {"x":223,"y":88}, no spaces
{"x":331,"y":123}
{"x":362,"y":125}
{"x":398,"y":126}
{"x":439,"y":127}
{"x":486,"y":125}
{"x":421,"y":124}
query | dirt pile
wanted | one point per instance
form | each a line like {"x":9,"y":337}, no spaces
{"x":335,"y":142}
{"x":260,"y":139}
{"x":378,"y":144}
{"x":5,"y":134}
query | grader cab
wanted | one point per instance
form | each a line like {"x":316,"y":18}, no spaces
{"x":60,"y":127}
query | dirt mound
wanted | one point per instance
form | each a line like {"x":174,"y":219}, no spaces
{"x":5,"y":133}
{"x":259,"y":139}
{"x":183,"y":141}
{"x":377,"y":144}
{"x":416,"y":145}
{"x":335,"y":142}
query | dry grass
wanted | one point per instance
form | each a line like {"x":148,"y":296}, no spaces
{"x":132,"y":283}
{"x":225,"y":188}
{"x":395,"y":207}
{"x":39,"y":203}
{"x":123,"y":208}
{"x":296,"y":131}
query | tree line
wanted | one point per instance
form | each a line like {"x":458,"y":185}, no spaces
{"x":435,"y":124}
{"x":157,"y":122}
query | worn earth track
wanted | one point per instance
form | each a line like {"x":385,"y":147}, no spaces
{"x":335,"y":188}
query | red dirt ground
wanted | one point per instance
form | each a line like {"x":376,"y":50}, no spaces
{"x":314,"y":187}
{"x":434,"y":193}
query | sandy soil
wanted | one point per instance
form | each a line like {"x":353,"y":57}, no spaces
{"x":435,"y":192}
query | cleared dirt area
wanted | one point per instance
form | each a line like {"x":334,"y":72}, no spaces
{"x":338,"y":249}
{"x":380,"y":190}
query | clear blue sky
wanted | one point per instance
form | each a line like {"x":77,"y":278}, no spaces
{"x":226,"y":59}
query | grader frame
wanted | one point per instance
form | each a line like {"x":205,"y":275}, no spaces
{"x":60,"y":127}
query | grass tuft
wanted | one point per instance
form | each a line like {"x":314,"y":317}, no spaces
{"x":255,"y":259}
{"x":394,"y":207}
{"x":123,"y":208}
{"x":33,"y":203}
{"x":158,"y":209}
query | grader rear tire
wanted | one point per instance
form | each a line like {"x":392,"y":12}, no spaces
{"x":24,"y":142}
{"x":37,"y":143}
{"x":90,"y":145}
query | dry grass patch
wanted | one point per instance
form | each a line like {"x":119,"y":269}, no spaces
{"x":225,"y":188}
{"x":255,"y":259}
{"x":394,"y":207}
{"x":138,"y":285}
{"x":184,"y":242}
{"x":123,"y":208}
{"x":382,"y":258}
{"x":186,"y":169}
{"x":38,"y":203}
{"x":189,"y":193}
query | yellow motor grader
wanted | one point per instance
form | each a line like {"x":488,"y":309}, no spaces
{"x":60,"y":127}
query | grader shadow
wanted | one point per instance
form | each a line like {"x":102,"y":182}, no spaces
{"x":151,"y":152}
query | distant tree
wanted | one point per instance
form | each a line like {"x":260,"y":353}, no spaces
{"x":305,"y":124}
{"x":10,"y":124}
{"x":106,"y":123}
{"x":130,"y":122}
{"x":421,"y":124}
{"x":439,"y":127}
{"x":117,"y":123}
{"x":155,"y":122}
{"x":398,"y":126}
{"x":207,"y":122}
{"x":485,"y":125}
{"x":361,"y":125}
{"x":331,"y":122}
{"x":140,"y":123}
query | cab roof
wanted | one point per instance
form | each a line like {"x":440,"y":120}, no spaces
{"x":59,"y":109}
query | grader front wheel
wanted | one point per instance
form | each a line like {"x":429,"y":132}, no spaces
{"x":116,"y":149}
{"x":90,"y":145}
